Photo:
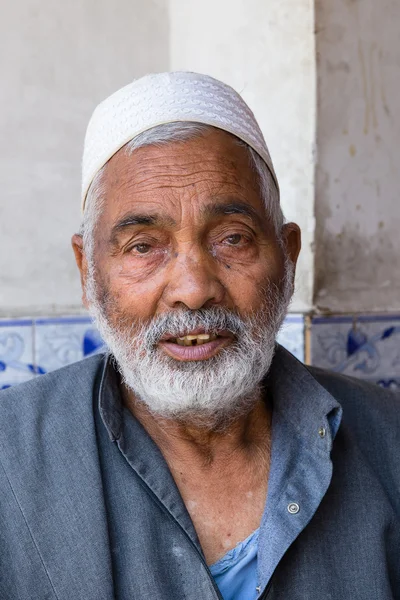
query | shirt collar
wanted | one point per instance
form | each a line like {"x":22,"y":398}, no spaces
{"x":303,"y":402}
{"x":110,"y":402}
{"x":140,"y":451}
{"x":295,"y":393}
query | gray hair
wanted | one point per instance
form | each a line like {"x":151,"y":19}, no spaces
{"x":178,"y":132}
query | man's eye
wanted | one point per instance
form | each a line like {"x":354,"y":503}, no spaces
{"x":141,"y":248}
{"x":234,"y":239}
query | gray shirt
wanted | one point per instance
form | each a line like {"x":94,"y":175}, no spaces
{"x":129,"y":456}
{"x":89,"y":509}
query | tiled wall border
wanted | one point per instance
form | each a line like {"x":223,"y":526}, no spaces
{"x":363,"y":346}
{"x":48,"y":343}
{"x":338,"y":342}
{"x":17,"y":351}
{"x":350,"y":318}
{"x":20,"y":341}
{"x":291,"y":335}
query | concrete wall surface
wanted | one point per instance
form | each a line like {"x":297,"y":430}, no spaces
{"x":358,"y":132}
{"x":58,"y":60}
{"x":265,"y":50}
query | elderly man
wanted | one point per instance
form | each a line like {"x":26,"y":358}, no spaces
{"x":196,"y":460}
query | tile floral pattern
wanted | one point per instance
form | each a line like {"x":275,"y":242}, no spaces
{"x":291,"y":335}
{"x":31,"y":347}
{"x":16,"y":352}
{"x":363,"y":346}
{"x":59,"y":342}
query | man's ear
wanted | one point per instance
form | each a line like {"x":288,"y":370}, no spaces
{"x":80,"y":258}
{"x":291,"y":235}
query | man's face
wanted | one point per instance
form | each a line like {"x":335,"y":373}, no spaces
{"x":184,"y":230}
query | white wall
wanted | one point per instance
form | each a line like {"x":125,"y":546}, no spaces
{"x":358,"y":174}
{"x":265,"y":50}
{"x":58,"y":60}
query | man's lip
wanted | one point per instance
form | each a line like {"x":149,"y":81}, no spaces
{"x":191,"y":353}
{"x":223,"y":334}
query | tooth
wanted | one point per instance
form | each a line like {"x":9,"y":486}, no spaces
{"x":193,"y":340}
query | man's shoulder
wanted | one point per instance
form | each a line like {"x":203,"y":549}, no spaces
{"x":364,"y":397}
{"x":371,"y":416}
{"x":52,"y":411}
{"x":73,"y":381}
{"x":371,"y":421}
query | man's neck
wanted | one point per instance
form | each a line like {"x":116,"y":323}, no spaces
{"x":188,"y":442}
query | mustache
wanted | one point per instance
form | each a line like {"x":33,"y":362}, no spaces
{"x":177,"y":323}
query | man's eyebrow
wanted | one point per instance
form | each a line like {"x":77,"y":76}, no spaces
{"x":218,"y":209}
{"x":132,"y":220}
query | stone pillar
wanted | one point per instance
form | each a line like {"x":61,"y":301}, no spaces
{"x":266,"y":51}
{"x":357,"y":207}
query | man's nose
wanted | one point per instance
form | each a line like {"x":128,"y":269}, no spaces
{"x":192,"y":281}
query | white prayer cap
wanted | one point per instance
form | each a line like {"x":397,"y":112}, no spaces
{"x":166,"y":98}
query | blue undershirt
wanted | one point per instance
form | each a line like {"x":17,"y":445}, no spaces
{"x":236,"y":573}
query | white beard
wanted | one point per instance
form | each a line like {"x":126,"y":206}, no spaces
{"x":212,"y":392}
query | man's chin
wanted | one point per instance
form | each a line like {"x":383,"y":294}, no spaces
{"x":207,"y":393}
{"x":197,"y":412}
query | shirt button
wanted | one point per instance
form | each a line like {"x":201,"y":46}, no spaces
{"x":322,"y":432}
{"x":293,"y":508}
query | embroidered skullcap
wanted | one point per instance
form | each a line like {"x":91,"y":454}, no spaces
{"x":166,"y":98}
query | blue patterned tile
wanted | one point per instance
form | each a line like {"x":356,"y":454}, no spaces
{"x":363,"y":346}
{"x":32,"y":347}
{"x":291,"y":335}
{"x":61,"y":341}
{"x":16,"y":352}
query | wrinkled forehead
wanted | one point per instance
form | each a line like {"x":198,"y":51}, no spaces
{"x":180,"y":176}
